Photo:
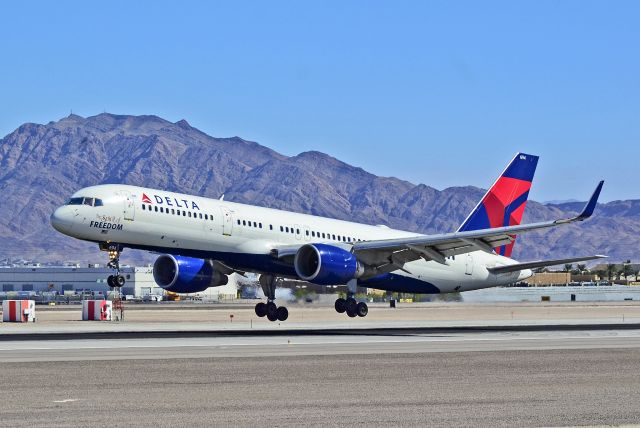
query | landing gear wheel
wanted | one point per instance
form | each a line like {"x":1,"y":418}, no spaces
{"x":110,"y":281}
{"x":362,"y":309}
{"x":352,"y":314}
{"x":261,"y":309}
{"x":351,"y":305}
{"x":340,"y":305}
{"x":119,"y":281}
{"x":282,"y":313}
{"x":271,"y":311}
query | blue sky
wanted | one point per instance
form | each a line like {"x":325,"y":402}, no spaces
{"x":442,"y":93}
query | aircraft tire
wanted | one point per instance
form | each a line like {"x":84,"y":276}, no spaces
{"x":362,"y":309}
{"x":110,"y":281}
{"x":351,"y":314}
{"x":340,"y":305}
{"x":261,"y":309}
{"x":282,"y":313}
{"x":119,"y":280}
{"x":351,"y":305}
{"x":272,"y":309}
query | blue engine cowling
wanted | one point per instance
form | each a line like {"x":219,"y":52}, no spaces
{"x":185,"y":274}
{"x":326,"y":264}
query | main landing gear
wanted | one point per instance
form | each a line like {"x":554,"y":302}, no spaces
{"x":269,"y":309}
{"x":350,"y":305}
{"x":117,"y":280}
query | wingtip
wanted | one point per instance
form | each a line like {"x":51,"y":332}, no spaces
{"x":591,"y":204}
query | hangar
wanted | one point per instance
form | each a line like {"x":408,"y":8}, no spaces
{"x":74,"y":279}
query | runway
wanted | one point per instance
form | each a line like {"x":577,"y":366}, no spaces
{"x":510,"y":376}
{"x":243,"y":344}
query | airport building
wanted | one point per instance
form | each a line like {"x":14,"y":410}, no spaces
{"x":90,"y":279}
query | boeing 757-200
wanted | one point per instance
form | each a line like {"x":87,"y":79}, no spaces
{"x":202,"y":241}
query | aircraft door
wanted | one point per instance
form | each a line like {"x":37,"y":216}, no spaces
{"x":227,"y":221}
{"x":129,"y":206}
{"x":468,"y":269}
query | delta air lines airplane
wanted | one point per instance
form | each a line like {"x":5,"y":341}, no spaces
{"x":202,"y":241}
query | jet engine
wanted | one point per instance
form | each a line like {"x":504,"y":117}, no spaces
{"x":326,"y":264}
{"x":180,"y":274}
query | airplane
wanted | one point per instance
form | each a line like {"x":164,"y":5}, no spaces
{"x":202,"y":241}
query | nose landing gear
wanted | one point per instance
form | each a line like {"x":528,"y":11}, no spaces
{"x":270,"y":309}
{"x":117,"y":280}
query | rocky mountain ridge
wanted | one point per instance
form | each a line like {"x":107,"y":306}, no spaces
{"x":41,"y":165}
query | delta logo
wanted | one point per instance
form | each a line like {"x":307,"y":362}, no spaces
{"x":170,"y":202}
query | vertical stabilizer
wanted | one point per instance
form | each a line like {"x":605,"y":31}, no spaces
{"x":504,"y":203}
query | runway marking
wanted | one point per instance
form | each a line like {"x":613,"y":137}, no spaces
{"x":414,"y":339}
{"x":66,"y":400}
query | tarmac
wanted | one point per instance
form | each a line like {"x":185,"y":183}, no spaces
{"x":427,"y":365}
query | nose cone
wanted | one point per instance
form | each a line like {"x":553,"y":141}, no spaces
{"x":61,"y":220}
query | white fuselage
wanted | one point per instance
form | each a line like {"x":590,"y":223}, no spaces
{"x":243,"y":236}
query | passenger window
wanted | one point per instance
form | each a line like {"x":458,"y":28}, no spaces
{"x":189,"y":214}
{"x":161,"y":209}
{"x":270,"y":227}
{"x":173,"y":211}
{"x":244,"y":223}
{"x":334,"y":237}
{"x":156,"y":208}
{"x":313,"y":234}
{"x":260,"y":225}
{"x":255,"y":224}
{"x":143,"y":207}
{"x":281,"y":229}
{"x":306,"y":232}
{"x":238,"y":222}
{"x":292,"y":230}
{"x":184,"y":213}
{"x":287,"y":228}
{"x":206,"y":217}
{"x":298,"y":231}
{"x":323,"y":235}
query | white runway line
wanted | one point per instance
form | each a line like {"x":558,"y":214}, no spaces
{"x":222,"y":343}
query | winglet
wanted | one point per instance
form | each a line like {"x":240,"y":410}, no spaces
{"x":588,"y":208}
{"x":591,"y":205}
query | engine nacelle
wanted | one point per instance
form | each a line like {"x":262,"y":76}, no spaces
{"x":186,"y":274}
{"x":326,"y":264}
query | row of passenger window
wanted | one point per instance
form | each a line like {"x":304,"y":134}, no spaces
{"x":173,"y":211}
{"x":313,"y":233}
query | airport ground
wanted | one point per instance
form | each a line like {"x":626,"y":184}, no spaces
{"x":533,"y":364}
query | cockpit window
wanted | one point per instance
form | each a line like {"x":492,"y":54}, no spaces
{"x":92,"y":202}
{"x":75,"y":201}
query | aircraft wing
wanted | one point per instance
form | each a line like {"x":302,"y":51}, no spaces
{"x":391,"y":254}
{"x":387,"y":255}
{"x":542,"y":263}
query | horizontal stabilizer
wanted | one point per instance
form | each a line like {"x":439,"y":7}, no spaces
{"x":532,"y":265}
